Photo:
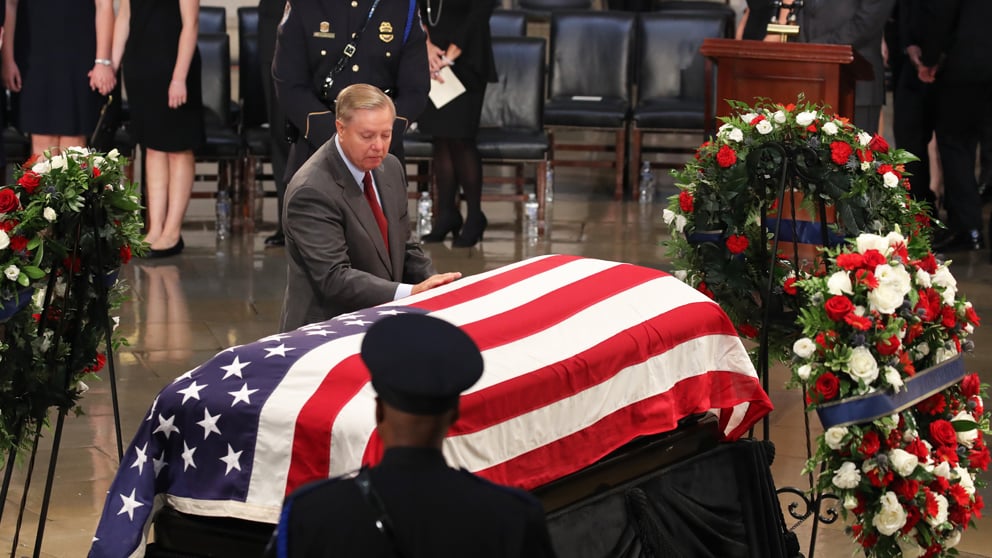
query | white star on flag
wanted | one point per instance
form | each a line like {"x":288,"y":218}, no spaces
{"x":186,"y":376}
{"x":209,"y":423}
{"x":151,"y":412}
{"x":242,"y":394}
{"x":348,"y":316}
{"x":272,"y":338}
{"x":188,"y":457}
{"x":320,"y":332}
{"x":358,"y":322}
{"x":281,"y":350}
{"x":159,"y":463}
{"x":231,"y":459}
{"x":390,"y":312}
{"x":165,"y":426}
{"x":129,"y":505}
{"x":191,"y":392}
{"x":140,"y":459}
{"x":234,"y":369}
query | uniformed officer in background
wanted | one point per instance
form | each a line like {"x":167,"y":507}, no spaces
{"x":326,"y":45}
{"x":413,"y":505}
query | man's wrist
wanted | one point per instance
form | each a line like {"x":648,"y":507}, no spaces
{"x":104,"y":62}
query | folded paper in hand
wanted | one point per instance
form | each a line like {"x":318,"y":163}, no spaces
{"x":443,"y":93}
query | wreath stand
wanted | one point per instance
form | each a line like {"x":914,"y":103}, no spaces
{"x":80,"y":289}
{"x":796,"y":165}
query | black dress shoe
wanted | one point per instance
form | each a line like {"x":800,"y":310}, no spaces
{"x":960,"y":241}
{"x":445,"y":225}
{"x":167,"y":252}
{"x":472,"y":233}
{"x":275,"y":240}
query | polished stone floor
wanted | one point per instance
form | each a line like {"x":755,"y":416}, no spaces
{"x":221,"y":293}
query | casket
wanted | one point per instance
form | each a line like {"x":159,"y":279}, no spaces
{"x":586,"y":361}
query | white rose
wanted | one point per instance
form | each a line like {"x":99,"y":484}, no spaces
{"x":923,"y":278}
{"x":864,"y":138}
{"x":736,"y":135}
{"x":58,"y":162}
{"x":49,"y":214}
{"x":953,"y":539}
{"x":868,"y":241}
{"x":805,"y":118}
{"x":830,"y":129}
{"x":890,"y":179}
{"x":886,"y":298}
{"x":764,"y":127}
{"x":908,"y":547}
{"x":941,"y":511}
{"x":748,"y":117}
{"x":804,"y":371}
{"x":834,"y":437}
{"x":903,"y":462}
{"x":893,"y":378}
{"x":892,"y":516}
{"x":114,"y":154}
{"x":12,"y":272}
{"x":847,"y":476}
{"x":668,"y":216}
{"x":967,"y":437}
{"x":943,"y":278}
{"x":862,"y":365}
{"x":779,"y":117}
{"x":4,"y":240}
{"x":865,"y":165}
{"x":944,"y":353}
{"x":943,"y":470}
{"x":804,"y":347}
{"x":840,"y":283}
{"x":42,"y":167}
{"x":965,"y":480}
{"x":850,"y":502}
{"x":680,"y":222}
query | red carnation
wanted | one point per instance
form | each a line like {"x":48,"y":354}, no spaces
{"x":942,"y":433}
{"x":96,"y":171}
{"x":972,"y":316}
{"x":979,"y":457}
{"x":699,"y":152}
{"x":870,"y":444}
{"x":913,"y":332}
{"x":865,"y":155}
{"x":29,"y":181}
{"x":879,"y":481}
{"x":18,"y":243}
{"x":888,"y":347}
{"x":837,"y":307}
{"x":703,"y":288}
{"x":878,"y":144}
{"x":790,"y":286}
{"x":930,"y":302}
{"x":826,"y":340}
{"x":931,"y":505}
{"x":811,"y":128}
{"x":971,"y":385}
{"x":8,"y":200}
{"x":125,"y":254}
{"x":959,"y":515}
{"x":874,"y":258}
{"x":940,"y":485}
{"x":828,"y":386}
{"x":737,"y":243}
{"x":948,"y":317}
{"x":960,"y":495}
{"x":685,"y":201}
{"x":866,"y":278}
{"x":906,"y":488}
{"x":850,"y":261}
{"x":756,"y":119}
{"x":918,"y":448}
{"x":840,"y":152}
{"x":933,"y":405}
{"x":913,"y":516}
{"x":859,"y":323}
{"x":928,"y":263}
{"x":726,"y":157}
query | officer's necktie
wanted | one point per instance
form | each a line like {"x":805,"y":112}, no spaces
{"x":380,"y":218}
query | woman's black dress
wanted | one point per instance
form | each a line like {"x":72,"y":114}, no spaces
{"x":149,"y":58}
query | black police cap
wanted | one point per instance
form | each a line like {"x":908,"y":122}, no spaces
{"x":420,"y":364}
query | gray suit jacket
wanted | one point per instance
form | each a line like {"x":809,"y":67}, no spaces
{"x":336,"y":257}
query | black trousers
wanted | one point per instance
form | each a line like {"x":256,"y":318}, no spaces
{"x":914,"y":121}
{"x":268,"y":27}
{"x":963,"y":111}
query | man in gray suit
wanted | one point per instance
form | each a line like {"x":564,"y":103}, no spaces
{"x":345,"y":220}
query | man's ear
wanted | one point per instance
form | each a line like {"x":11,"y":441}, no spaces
{"x":339,"y":126}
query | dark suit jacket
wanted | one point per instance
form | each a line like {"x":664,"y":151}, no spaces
{"x":305,"y":54}
{"x":859,"y":23}
{"x":435,"y":511}
{"x":336,"y":256}
{"x":958,"y":38}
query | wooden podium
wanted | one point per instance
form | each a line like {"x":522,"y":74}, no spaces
{"x":747,"y":70}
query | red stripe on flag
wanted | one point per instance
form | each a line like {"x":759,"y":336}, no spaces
{"x":311,"y":457}
{"x":637,"y":344}
{"x":651,"y":416}
{"x":494,"y":283}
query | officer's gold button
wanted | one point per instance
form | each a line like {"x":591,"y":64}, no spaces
{"x":354,"y":4}
{"x":354,"y":68}
{"x":388,"y":54}
{"x":323,"y":53}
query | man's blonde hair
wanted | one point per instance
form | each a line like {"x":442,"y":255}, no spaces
{"x":361,"y":96}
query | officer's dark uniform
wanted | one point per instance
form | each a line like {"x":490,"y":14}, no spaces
{"x":418,"y":365}
{"x":391,"y":54}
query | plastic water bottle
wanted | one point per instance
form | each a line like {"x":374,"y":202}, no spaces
{"x":646,"y":189}
{"x":530,"y":216}
{"x":223,"y":214}
{"x":425,"y":215}
{"x":549,"y":183}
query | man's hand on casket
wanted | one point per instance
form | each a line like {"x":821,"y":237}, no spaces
{"x":436,"y":281}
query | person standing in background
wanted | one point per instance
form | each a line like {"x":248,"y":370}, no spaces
{"x":458,"y":37}
{"x":156,"y":42}
{"x":270,"y":13}
{"x":56,"y":56}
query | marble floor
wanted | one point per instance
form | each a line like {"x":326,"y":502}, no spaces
{"x":221,"y":293}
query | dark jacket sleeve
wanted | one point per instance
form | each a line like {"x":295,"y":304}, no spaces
{"x":941,"y":31}
{"x":865,"y":25}
{"x":476,"y":23}
{"x":413,"y":79}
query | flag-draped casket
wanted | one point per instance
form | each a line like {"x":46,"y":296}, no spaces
{"x":581,"y":357}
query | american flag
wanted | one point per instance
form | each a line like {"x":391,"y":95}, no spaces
{"x":581,"y":357}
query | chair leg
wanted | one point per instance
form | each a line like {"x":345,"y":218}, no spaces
{"x":542,"y":186}
{"x":636,"y":136}
{"x":248,"y":178}
{"x":621,"y":169}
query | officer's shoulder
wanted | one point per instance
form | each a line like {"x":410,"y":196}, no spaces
{"x":321,"y":488}
{"x":515,"y":495}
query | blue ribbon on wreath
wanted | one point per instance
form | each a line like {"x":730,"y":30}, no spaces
{"x":11,"y":306}
{"x":806,"y":232}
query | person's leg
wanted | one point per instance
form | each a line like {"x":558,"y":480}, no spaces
{"x":181,"y":165}
{"x":468,"y":171}
{"x":44,"y":142}
{"x":70,"y":141}
{"x":278,"y":146}
{"x":912,"y":125}
{"x":449,"y":218}
{"x":957,"y":141}
{"x":156,"y":193}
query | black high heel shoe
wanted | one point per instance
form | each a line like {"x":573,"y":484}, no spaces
{"x":443,"y":227}
{"x":472,"y":232}
{"x":175,"y":250}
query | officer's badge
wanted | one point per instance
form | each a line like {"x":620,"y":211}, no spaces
{"x":385,"y":32}
{"x":324,"y":32}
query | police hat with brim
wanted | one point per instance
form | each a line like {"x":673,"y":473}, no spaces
{"x":420,"y":364}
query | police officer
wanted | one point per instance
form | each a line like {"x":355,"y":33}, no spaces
{"x":326,"y":45}
{"x":419,"y":366}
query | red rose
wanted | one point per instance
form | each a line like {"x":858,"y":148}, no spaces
{"x":29,"y":181}
{"x":913,"y":331}
{"x":828,"y":386}
{"x":979,"y":458}
{"x":906,"y":488}
{"x":125,"y":253}
{"x":971,"y":385}
{"x":948,"y":317}
{"x":18,"y":243}
{"x":790,"y":286}
{"x":933,"y":405}
{"x":865,"y":155}
{"x":96,"y":171}
{"x":8,"y":225}
{"x":878,"y":144}
{"x":874,"y":258}
{"x":685,"y":201}
{"x":928,"y":263}
{"x":811,"y":128}
{"x":850,"y":261}
{"x":940,"y":485}
{"x":866,"y":278}
{"x":748,"y":330}
{"x":8,"y":200}
{"x":859,"y":323}
{"x":726,"y":157}
{"x":840,"y":152}
{"x":913,"y":516}
{"x":870,"y":444}
{"x":737,"y":243}
{"x":888,"y":347}
{"x":929,"y":302}
{"x":837,"y":307}
{"x":942,"y":433}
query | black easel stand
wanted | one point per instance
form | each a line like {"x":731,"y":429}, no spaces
{"x":796,"y":166}
{"x":61,"y":372}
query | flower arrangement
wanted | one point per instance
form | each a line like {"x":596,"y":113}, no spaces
{"x":880,"y":319}
{"x":67,"y":225}
{"x":720,"y":237}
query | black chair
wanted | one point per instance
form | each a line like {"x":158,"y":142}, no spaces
{"x":254,"y":123}
{"x":672,"y":78}
{"x":511,"y":131}
{"x":717,"y":7}
{"x":542,"y":10}
{"x":212,"y":19}
{"x":590,"y":84}
{"x":508,"y":23}
{"x":222,"y":145}
{"x":418,"y":150}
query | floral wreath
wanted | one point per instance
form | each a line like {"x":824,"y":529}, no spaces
{"x":881,"y":316}
{"x":67,"y":225}
{"x":720,"y":235}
